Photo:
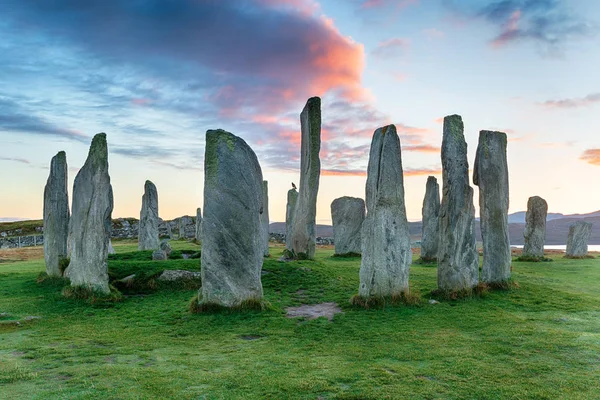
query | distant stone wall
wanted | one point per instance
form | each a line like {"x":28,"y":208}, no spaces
{"x":280,"y":238}
{"x":21,"y":241}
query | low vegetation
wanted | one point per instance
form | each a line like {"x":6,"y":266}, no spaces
{"x":540,"y":340}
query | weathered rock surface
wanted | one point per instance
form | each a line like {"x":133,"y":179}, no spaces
{"x":148,"y":225}
{"x":90,"y":225}
{"x":166,"y":247}
{"x":159,"y":255}
{"x":264,"y":219}
{"x":198,"y":235}
{"x":303,"y":226}
{"x":186,"y":227}
{"x":458,"y":260}
{"x":56,"y":214}
{"x":232,"y":246}
{"x":292,"y":199}
{"x":347,"y":215}
{"x":178,"y":275}
{"x":535,"y":227}
{"x":490,"y":173}
{"x":431,"y":214}
{"x":579,"y":236}
{"x":386,"y":252}
{"x":314,"y":311}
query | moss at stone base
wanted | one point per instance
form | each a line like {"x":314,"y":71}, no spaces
{"x":348,"y":255}
{"x":92,"y":296}
{"x":528,"y":258}
{"x":377,"y":302}
{"x":198,"y":307}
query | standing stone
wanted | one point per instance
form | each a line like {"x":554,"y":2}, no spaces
{"x":535,"y":227}
{"x":198,"y":224}
{"x":169,"y":230}
{"x":490,"y":173}
{"x":458,"y":260}
{"x":347,"y":216}
{"x":56,"y":214}
{"x":292,"y":199}
{"x":111,"y":249}
{"x":91,"y":220}
{"x":386,"y":252}
{"x":579,"y":236}
{"x":232,"y":246}
{"x":264,"y":219}
{"x":181,"y":227}
{"x":303,"y":227}
{"x":148,"y":226}
{"x":431,"y":213}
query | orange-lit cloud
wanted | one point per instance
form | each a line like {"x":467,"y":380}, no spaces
{"x":591,"y":156}
{"x":422,"y":171}
{"x":588,"y":100}
{"x":422,"y":148}
{"x":335,"y":172}
{"x":510,"y":30}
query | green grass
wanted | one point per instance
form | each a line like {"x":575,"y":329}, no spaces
{"x":26,"y":227}
{"x":538,"y":341}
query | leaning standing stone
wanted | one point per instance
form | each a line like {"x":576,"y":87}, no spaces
{"x":91,"y":220}
{"x":292,"y":199}
{"x":347,"y":215}
{"x":303,"y":228}
{"x":431,"y":213}
{"x":458,"y":260}
{"x":198,"y":224}
{"x":579,"y":236}
{"x":232,"y":247}
{"x":535,"y":227}
{"x":148,"y":226}
{"x":56,"y":214}
{"x":264,"y":218}
{"x":386,"y":252}
{"x":490,"y":173}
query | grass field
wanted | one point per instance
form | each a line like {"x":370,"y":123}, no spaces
{"x":541,"y":341}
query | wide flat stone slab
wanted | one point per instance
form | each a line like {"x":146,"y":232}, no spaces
{"x":314,"y":311}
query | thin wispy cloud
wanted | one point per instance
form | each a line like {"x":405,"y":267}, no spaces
{"x":590,"y":99}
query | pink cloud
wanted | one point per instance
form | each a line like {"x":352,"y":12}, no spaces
{"x":510,"y":30}
{"x":586,"y":101}
{"x":391,"y":47}
{"x":591,"y":156}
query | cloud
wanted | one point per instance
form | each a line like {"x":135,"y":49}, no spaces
{"x":586,"y":101}
{"x":393,"y":47}
{"x":550,"y":24}
{"x":14,"y":118}
{"x":16,"y":159}
{"x":591,"y":156}
{"x":422,"y":171}
{"x":398,"y":4}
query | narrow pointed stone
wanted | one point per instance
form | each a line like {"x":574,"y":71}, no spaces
{"x":90,"y":225}
{"x":490,"y":173}
{"x":535,"y":227}
{"x":232,"y":242}
{"x":431,"y":213}
{"x":303,"y":228}
{"x":148,"y":226}
{"x":56,"y":214}
{"x":458,"y":260}
{"x":579,"y":236}
{"x":199,"y":224}
{"x":386,"y":251}
{"x":264,"y":219}
{"x":292,"y":199}
{"x":347,"y":216}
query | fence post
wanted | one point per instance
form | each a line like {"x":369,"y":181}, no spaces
{"x":19,"y":241}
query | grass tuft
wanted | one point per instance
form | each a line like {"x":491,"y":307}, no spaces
{"x":348,"y":255}
{"x":92,"y":296}
{"x":51,"y":281}
{"x":587,"y":257}
{"x":196,"y":306}
{"x":63,"y":263}
{"x":378,"y":302}
{"x":529,"y":258}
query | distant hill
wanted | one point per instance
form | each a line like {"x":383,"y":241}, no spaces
{"x":519,"y":217}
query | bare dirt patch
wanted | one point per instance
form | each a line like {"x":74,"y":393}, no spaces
{"x":313,"y":311}
{"x":22,"y":254}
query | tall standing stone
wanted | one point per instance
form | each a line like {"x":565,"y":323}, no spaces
{"x":90,"y":224}
{"x":148,"y":226}
{"x":303,"y":228}
{"x":579,"y":236}
{"x":347,"y":216}
{"x":181,"y":227}
{"x":386,"y":252}
{"x":458,"y":260}
{"x":264,"y":218}
{"x":56,"y":214}
{"x":431,"y":214}
{"x":232,"y":246}
{"x":198,"y":224}
{"x":292,"y":199}
{"x":490,"y":173}
{"x":535,"y":227}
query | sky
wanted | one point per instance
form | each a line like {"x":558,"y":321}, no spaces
{"x":155,"y":75}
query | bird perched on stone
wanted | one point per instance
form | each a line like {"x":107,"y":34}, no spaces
{"x":293,"y":185}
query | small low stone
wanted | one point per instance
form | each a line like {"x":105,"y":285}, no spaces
{"x":31,"y":318}
{"x":313,"y":311}
{"x":159,"y":255}
{"x":166,"y":247}
{"x":178,"y":274}
{"x":432,"y":301}
{"x":4,"y":315}
{"x":128,"y":278}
